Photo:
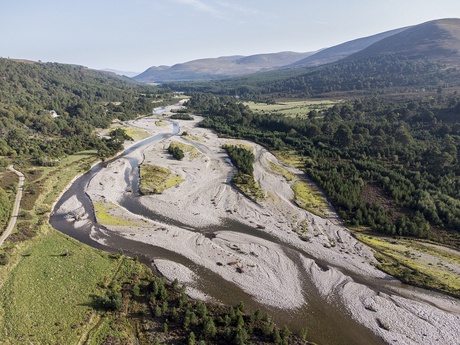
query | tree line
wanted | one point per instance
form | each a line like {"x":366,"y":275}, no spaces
{"x":383,"y":73}
{"x":392,"y":165}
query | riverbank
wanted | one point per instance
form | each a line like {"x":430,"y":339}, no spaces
{"x":341,"y":268}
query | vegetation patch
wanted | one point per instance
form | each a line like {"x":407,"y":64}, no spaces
{"x":179,"y":147}
{"x":155,"y":179}
{"x":243,"y":159}
{"x":141,"y":306}
{"x":192,"y":137}
{"x":309,"y":198}
{"x":106,"y":214}
{"x":46,"y":298}
{"x":291,"y":108}
{"x":245,"y":146}
{"x":248,"y":186}
{"x":137,"y":134}
{"x":417,"y":263}
{"x":181,"y":116}
{"x":289,"y":176}
{"x":290,"y":158}
{"x":160,"y":123}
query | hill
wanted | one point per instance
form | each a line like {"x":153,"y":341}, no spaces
{"x":437,"y":40}
{"x":219,"y":68}
{"x":423,"y":57}
{"x":51,"y":109}
{"x":343,"y":50}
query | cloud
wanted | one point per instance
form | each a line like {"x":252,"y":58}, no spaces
{"x":199,"y":5}
{"x":237,"y":8}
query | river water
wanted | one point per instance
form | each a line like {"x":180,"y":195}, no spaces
{"x":327,"y":321}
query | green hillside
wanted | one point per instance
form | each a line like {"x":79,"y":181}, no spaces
{"x":83,"y":99}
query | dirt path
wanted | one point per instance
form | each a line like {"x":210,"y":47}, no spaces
{"x":17,"y":202}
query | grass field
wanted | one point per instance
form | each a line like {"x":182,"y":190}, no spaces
{"x":48,"y":284}
{"x":47,"y":296}
{"x":155,"y":179}
{"x":291,"y":108}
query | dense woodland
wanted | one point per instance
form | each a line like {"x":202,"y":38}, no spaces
{"x":389,"y":165}
{"x":370,"y":75}
{"x":84,"y":99}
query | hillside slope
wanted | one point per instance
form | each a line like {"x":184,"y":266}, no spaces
{"x":437,"y":40}
{"x":343,"y":50}
{"x":218,"y":68}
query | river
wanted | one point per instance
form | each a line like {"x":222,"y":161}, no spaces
{"x":327,"y":320}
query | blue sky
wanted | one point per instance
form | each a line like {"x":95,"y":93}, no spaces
{"x":132,"y":35}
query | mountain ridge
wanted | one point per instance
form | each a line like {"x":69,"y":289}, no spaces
{"x":221,"y":67}
{"x":437,"y":40}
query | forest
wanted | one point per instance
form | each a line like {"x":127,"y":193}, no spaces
{"x":82,"y":100}
{"x":389,"y":165}
{"x":367,"y":76}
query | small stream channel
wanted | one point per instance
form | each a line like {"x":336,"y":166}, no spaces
{"x":327,"y":321}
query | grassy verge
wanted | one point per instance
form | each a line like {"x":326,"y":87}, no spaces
{"x":417,"y":263}
{"x":155,"y":179}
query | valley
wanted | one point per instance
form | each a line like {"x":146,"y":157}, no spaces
{"x":251,"y":250}
{"x":280,"y":198}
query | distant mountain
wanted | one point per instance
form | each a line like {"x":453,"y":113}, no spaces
{"x":437,"y":40}
{"x":343,"y":50}
{"x":423,"y":57}
{"x":218,"y":68}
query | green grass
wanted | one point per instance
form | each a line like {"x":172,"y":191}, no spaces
{"x":310,"y":199}
{"x":46,"y":298}
{"x":193,"y":138}
{"x":291,"y":108}
{"x":137,"y":134}
{"x":416,"y":263}
{"x":155,"y":179}
{"x":193,"y":153}
{"x":281,"y":171}
{"x":55,"y":179}
{"x":106,"y":215}
{"x":290,"y":158}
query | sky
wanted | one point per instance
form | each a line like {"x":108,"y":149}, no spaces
{"x":133,"y":35}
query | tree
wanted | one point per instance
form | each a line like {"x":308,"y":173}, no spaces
{"x":343,"y":136}
{"x":191,"y":339}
